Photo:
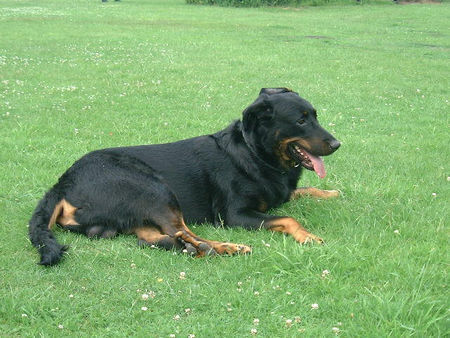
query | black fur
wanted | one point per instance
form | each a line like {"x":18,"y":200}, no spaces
{"x":231,"y":177}
{"x":41,"y":237}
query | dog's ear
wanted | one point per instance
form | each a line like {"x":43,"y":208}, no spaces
{"x":271,"y":91}
{"x":258,"y":110}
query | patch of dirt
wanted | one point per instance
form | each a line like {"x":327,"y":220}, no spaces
{"x":419,"y":2}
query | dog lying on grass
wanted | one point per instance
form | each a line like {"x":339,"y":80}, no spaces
{"x":231,"y":177}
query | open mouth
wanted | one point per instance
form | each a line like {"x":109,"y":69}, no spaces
{"x":305,"y":159}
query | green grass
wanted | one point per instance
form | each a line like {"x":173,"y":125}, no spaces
{"x":81,"y":75}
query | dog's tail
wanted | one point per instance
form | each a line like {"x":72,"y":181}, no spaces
{"x":39,"y":229}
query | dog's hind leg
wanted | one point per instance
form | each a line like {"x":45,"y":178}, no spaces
{"x":314,"y":192}
{"x":165,"y":227}
{"x":153,"y":237}
{"x":207,"y":246}
{"x":221,"y":248}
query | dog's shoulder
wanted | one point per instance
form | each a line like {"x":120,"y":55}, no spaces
{"x":231,"y":147}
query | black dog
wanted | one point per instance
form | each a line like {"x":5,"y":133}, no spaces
{"x":231,"y":177}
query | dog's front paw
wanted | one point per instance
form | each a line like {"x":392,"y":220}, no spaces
{"x":310,"y":238}
{"x":331,"y":193}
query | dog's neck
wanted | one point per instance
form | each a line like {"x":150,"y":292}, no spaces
{"x":255,"y":154}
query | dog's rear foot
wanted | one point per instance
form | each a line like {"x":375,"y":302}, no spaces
{"x":189,"y":249}
{"x":231,"y":248}
{"x":221,"y":248}
{"x":310,"y":238}
{"x":203,"y":249}
{"x":210,"y":248}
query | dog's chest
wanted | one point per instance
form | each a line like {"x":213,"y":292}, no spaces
{"x":273,"y":193}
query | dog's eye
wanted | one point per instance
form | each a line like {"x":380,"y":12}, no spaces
{"x":301,"y":122}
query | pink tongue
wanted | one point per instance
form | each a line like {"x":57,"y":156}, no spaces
{"x":317,"y":162}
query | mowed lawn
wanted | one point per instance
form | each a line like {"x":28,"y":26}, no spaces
{"x":82,"y":75}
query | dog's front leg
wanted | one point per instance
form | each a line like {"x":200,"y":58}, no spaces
{"x":289,"y":225}
{"x":314,"y":192}
{"x":256,"y":220}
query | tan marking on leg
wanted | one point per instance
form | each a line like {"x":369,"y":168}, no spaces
{"x":314,"y":192}
{"x":149,"y":234}
{"x":230,"y":248}
{"x":188,"y":238}
{"x":176,"y":227}
{"x":63,"y":214}
{"x":290,"y":226}
{"x":152,"y":236}
{"x":225,"y":247}
{"x":219,"y":247}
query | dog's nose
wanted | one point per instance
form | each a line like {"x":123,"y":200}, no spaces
{"x":335,"y":144}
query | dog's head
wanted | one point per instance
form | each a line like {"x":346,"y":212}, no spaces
{"x":283,"y":126}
